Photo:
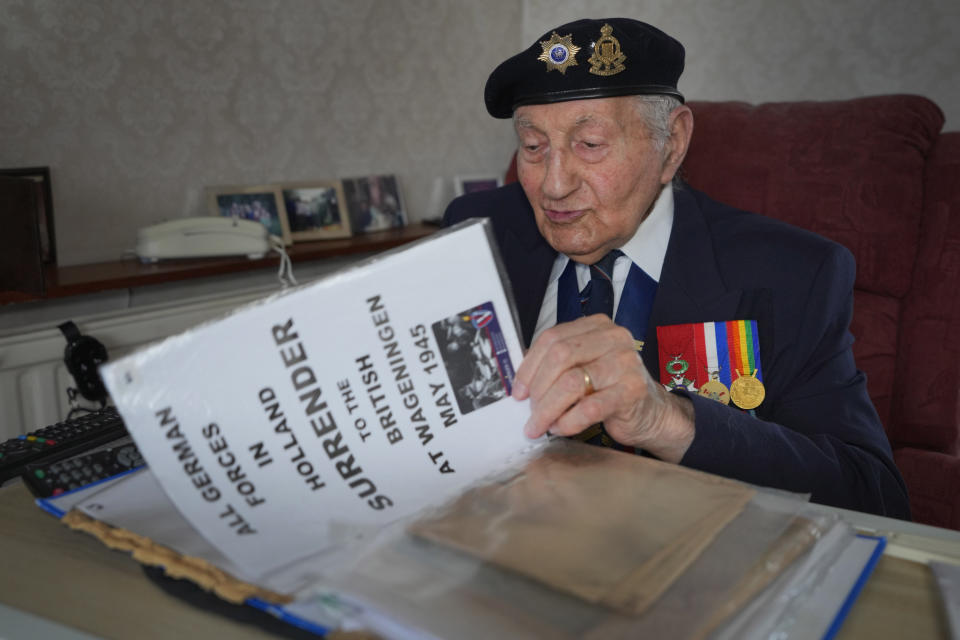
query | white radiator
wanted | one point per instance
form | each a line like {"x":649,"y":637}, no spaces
{"x":34,"y":378}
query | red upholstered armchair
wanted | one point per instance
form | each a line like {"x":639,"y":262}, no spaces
{"x":876,"y":175}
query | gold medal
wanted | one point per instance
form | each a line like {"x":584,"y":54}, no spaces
{"x":747,"y":392}
{"x":715,"y":390}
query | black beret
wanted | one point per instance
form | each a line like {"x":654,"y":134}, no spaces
{"x":587,"y":59}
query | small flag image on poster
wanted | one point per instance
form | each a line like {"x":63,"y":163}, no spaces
{"x":475,"y":356}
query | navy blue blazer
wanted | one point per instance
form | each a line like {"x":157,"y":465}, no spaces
{"x":817,"y":431}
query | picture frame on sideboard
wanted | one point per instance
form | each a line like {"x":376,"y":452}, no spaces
{"x":40,"y":176}
{"x":261,"y":203}
{"x":470,"y":184}
{"x":315,"y":210}
{"x":374,"y":203}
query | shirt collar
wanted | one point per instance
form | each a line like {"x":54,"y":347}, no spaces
{"x":648,"y":246}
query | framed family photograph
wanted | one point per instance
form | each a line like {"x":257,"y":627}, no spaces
{"x":470,"y":184}
{"x":315,"y":210}
{"x":43,"y":199}
{"x":374,"y":203}
{"x":262,"y":204}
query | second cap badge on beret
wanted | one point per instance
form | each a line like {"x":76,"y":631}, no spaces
{"x":607,"y":58}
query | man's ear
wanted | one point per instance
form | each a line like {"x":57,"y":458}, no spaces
{"x":681,"y":130}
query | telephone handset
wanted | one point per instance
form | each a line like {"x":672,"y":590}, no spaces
{"x":202,"y":236}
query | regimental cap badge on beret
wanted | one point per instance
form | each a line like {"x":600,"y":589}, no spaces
{"x":559,"y":53}
{"x":627,"y":57}
{"x":607,"y":58}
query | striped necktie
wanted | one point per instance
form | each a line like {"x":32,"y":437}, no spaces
{"x":597,"y":296}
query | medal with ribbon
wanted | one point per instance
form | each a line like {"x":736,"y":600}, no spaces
{"x":722,"y":361}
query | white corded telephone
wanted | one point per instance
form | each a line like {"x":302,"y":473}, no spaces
{"x":211,"y":236}
{"x":203,"y":236}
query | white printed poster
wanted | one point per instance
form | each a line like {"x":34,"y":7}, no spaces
{"x":355,"y":400}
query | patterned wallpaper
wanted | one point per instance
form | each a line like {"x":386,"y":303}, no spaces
{"x":137,"y":105}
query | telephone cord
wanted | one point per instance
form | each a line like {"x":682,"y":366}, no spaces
{"x":285,"y":272}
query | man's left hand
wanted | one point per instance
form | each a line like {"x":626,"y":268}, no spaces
{"x":580,"y":373}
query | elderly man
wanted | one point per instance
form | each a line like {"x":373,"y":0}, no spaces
{"x":745,"y":367}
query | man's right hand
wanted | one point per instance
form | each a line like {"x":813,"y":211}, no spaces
{"x":580,"y":373}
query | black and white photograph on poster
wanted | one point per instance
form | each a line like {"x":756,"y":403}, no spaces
{"x":475,"y":356}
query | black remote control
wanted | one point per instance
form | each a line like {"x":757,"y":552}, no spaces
{"x":48,"y":479}
{"x":60,"y":440}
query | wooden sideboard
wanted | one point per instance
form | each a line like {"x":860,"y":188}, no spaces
{"x":67,"y":281}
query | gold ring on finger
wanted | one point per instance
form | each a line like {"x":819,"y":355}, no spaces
{"x":587,"y":382}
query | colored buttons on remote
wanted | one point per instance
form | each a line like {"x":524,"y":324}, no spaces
{"x":60,"y":440}
{"x":66,"y":475}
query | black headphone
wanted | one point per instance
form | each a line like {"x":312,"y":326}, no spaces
{"x":82,"y":356}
